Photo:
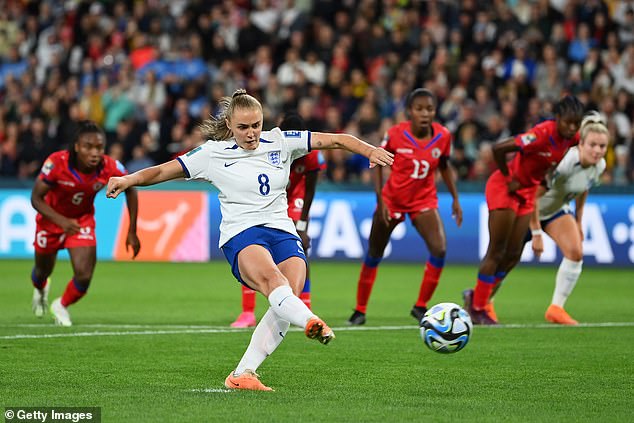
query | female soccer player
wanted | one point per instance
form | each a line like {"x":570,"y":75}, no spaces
{"x":250,"y":168}
{"x":510,"y":194}
{"x":579,"y":170}
{"x":64,"y":195}
{"x":300,"y":193}
{"x":420,"y":146}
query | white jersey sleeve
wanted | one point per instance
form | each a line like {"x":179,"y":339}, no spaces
{"x":296,"y":142}
{"x":196,"y":162}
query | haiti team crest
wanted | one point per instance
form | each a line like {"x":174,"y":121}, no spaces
{"x":275,"y":158}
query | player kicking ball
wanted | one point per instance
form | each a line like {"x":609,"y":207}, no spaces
{"x":251,"y":169}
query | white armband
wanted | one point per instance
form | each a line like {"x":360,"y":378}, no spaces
{"x":537,"y":232}
{"x":301,"y":225}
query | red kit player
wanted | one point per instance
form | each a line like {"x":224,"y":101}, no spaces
{"x":510,"y":194}
{"x":300,"y":193}
{"x":420,"y":147}
{"x":63,"y":196}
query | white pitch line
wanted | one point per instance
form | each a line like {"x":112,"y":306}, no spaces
{"x":205,"y":330}
{"x":213,"y":390}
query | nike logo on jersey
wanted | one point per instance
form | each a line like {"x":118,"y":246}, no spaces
{"x":67,"y":183}
{"x":544,"y":153}
{"x":230,"y":164}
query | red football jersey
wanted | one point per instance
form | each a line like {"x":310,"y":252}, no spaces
{"x":541,"y":149}
{"x":311,"y":162}
{"x":72,"y":193}
{"x":411,"y":185}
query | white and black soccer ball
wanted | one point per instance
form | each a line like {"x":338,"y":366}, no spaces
{"x":446,"y":328}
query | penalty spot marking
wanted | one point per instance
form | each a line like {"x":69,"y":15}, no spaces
{"x":216,"y":329}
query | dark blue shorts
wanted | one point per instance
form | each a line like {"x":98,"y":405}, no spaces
{"x":545,"y":222}
{"x":282,"y":245}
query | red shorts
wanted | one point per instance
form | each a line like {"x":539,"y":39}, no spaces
{"x":295,"y":207}
{"x":50,"y":238}
{"x":522,"y":201}
{"x":398,"y":213}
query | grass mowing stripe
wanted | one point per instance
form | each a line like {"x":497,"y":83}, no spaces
{"x":339,"y":329}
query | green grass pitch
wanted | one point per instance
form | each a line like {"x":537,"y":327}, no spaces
{"x":151,"y":342}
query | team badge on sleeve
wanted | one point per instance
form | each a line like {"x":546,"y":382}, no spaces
{"x":292,"y":134}
{"x":528,"y":138}
{"x":274,"y":158}
{"x":47,"y":167}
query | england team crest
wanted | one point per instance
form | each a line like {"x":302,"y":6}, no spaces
{"x":275,"y":158}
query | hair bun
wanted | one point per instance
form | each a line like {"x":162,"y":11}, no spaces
{"x":592,"y":117}
{"x":239,"y":92}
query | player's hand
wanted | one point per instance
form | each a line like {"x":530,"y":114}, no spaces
{"x":70,"y":226}
{"x":132,"y":241}
{"x":303,"y":235}
{"x":381,"y":157}
{"x":513,"y":185}
{"x":538,"y":245}
{"x":456,"y":212}
{"x":116,"y":185}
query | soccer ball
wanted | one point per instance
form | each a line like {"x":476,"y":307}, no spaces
{"x":446,"y":328}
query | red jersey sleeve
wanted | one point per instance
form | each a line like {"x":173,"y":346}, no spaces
{"x":386,"y":143}
{"x":533,"y":140}
{"x":113,"y":167}
{"x":314,"y":161}
{"x":50,"y":169}
{"x":448,"y":138}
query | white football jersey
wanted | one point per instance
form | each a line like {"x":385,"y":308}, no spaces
{"x":252,"y":183}
{"x":568,"y":181}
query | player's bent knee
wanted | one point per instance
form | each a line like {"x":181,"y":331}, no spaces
{"x":575,"y":254}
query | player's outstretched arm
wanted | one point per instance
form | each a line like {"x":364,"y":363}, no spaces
{"x":148,"y":176}
{"x":329,"y":141}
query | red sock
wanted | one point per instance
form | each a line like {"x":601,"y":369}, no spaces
{"x":73,"y":293}
{"x":364,"y":287}
{"x":483,"y":291}
{"x":429,"y":284}
{"x":305,"y":297}
{"x":248,"y":300}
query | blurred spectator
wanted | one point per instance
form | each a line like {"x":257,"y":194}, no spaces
{"x":148,"y":72}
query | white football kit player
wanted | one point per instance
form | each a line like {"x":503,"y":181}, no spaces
{"x":252,"y":183}
{"x":569,"y":180}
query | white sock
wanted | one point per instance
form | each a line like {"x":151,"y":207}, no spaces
{"x":567,"y":277}
{"x":289,"y":307}
{"x":268,"y":334}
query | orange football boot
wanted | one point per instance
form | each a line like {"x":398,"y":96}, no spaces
{"x":319,"y":330}
{"x":556,"y":314}
{"x":247,"y":380}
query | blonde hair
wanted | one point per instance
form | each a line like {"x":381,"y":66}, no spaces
{"x":592,"y":122}
{"x":215,"y":128}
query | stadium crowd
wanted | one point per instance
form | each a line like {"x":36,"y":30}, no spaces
{"x":150,"y":71}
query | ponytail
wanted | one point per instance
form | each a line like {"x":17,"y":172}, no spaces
{"x":215,"y":128}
